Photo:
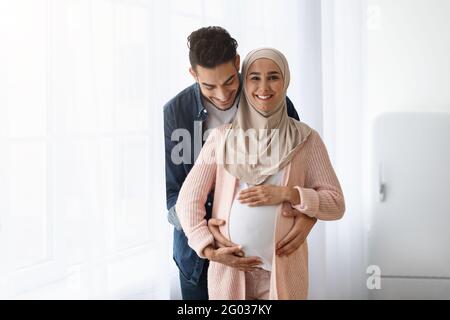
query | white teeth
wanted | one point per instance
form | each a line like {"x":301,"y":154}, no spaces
{"x":264,"y":97}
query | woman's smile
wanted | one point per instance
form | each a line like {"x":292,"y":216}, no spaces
{"x":264,"y":97}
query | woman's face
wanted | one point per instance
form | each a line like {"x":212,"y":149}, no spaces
{"x":264,"y":85}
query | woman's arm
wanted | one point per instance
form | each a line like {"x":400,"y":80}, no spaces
{"x":321,"y":197}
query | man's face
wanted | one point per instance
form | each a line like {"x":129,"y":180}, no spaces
{"x":219,"y":85}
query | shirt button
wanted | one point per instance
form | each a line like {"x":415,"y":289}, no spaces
{"x":209,"y":204}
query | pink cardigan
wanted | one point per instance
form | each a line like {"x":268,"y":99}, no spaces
{"x":321,"y":197}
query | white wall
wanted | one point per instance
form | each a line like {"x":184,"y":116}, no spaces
{"x":408,"y":56}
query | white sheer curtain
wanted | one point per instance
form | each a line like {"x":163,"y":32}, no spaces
{"x":344,"y":35}
{"x":83,"y":214}
{"x":82,"y":85}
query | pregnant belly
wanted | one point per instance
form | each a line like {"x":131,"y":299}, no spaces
{"x":253,"y":228}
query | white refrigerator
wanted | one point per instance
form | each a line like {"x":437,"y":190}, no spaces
{"x":409,"y":223}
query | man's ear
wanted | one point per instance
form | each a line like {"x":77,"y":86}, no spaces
{"x":193,"y":74}
{"x":237,"y":62}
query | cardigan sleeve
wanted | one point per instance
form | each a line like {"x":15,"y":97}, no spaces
{"x":321,"y":197}
{"x":191,"y":201}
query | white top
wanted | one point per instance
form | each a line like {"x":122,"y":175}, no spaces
{"x":254,"y":227}
{"x":217,"y":117}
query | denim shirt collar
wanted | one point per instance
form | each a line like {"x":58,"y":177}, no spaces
{"x":200,"y":112}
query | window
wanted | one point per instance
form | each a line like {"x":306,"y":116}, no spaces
{"x":82,"y":152}
{"x":81,"y":135}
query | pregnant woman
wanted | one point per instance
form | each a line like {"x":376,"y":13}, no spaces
{"x":257,"y":163}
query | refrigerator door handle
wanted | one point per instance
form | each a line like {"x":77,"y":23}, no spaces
{"x":381,"y":184}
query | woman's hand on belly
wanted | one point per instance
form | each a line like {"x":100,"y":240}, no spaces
{"x":267,"y":195}
{"x":220,"y":240}
{"x":228,"y":257}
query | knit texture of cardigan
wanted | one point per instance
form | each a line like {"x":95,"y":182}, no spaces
{"x":310,"y":172}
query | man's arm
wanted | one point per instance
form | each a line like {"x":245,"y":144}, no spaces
{"x":175,"y":173}
{"x":299,"y":232}
{"x":291,"y":109}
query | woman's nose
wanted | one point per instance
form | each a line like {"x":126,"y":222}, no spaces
{"x":264,"y":86}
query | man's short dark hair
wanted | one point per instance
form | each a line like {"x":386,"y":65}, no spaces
{"x":210,"y":47}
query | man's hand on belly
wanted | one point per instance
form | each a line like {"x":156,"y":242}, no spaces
{"x":297,"y":235}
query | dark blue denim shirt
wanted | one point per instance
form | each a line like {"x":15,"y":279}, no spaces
{"x":186,"y":111}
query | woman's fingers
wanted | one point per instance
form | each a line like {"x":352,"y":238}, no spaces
{"x":231,"y":250}
{"x":249,"y":266}
{"x":240,"y":254}
{"x":248,"y":194}
{"x":249,"y":261}
{"x":261,"y":195}
{"x":213,"y":226}
{"x":228,"y":257}
{"x":252,"y":199}
{"x":255,"y":199}
{"x":216,"y":222}
{"x":244,"y":262}
{"x":237,"y":253}
{"x":253,"y":191}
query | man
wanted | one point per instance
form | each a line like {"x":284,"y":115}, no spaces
{"x":209,"y":103}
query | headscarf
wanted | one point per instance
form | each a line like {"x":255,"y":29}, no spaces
{"x":276,"y":137}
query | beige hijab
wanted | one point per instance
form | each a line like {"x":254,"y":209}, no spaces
{"x":254,"y":155}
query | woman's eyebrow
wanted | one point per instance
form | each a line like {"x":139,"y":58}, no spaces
{"x":258,"y":73}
